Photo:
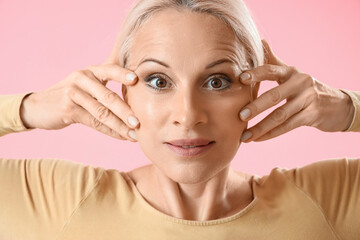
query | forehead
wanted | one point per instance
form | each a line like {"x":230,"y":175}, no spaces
{"x":183,"y":36}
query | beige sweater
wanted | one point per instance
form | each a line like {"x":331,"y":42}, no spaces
{"x":58,"y":199}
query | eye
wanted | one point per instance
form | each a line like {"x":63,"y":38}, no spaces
{"x":219,"y":82}
{"x":157,"y":82}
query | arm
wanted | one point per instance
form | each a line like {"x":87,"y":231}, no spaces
{"x":334,"y":185}
{"x":39,"y":196}
{"x":355,"y":98}
{"x":10,"y":120}
{"x":82,"y":97}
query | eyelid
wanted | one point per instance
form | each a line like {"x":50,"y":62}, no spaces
{"x":155,"y":76}
{"x":221,"y":76}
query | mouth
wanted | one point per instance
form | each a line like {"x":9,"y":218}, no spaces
{"x":196,"y":142}
{"x":190,"y":150}
{"x":192,"y":146}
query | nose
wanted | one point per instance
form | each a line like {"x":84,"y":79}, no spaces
{"x":189,"y":110}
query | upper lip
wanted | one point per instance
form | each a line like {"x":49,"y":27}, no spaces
{"x":190,"y":142}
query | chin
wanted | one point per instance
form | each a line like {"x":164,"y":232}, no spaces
{"x":191,"y":172}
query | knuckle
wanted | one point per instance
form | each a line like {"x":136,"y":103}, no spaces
{"x":67,"y":121}
{"x":308,"y":80}
{"x":78,"y":74}
{"x":254,"y":108}
{"x":268,"y":135}
{"x":67,"y":106}
{"x":271,"y":68}
{"x":313,"y":95}
{"x":280,"y":115}
{"x":293,"y":69}
{"x":112,"y":132}
{"x":258,"y":130}
{"x":95,"y":123}
{"x":110,"y":97}
{"x":287,"y":126}
{"x":70,"y":91}
{"x":275,"y":95}
{"x":102,"y":113}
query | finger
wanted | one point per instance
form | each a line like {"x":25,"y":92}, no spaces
{"x":102,"y":114}
{"x":276,"y":118}
{"x":85,"y":118}
{"x":280,"y":74}
{"x":271,"y":98}
{"x":270,"y":57}
{"x":109,"y":99}
{"x":290,"y":124}
{"x":113,"y":72}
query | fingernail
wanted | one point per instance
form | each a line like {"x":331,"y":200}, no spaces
{"x":133,"y":121}
{"x":246,"y":135}
{"x":244,"y":114}
{"x":245,"y":76}
{"x":130,"y":77}
{"x":132,"y":134}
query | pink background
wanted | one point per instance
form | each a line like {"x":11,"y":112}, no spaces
{"x":41,"y":42}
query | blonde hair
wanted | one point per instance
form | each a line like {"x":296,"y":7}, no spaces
{"x":234,"y":13}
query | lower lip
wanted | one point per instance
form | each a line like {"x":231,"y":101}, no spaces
{"x":189,"y":152}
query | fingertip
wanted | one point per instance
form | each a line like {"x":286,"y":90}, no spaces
{"x":246,"y":136}
{"x":245,"y":114}
{"x":132,"y":134}
{"x":133,"y":121}
{"x":245,"y":78}
{"x":131,"y":78}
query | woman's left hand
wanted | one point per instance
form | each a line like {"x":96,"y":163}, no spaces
{"x":308,"y":102}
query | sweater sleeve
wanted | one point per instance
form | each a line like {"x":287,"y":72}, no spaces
{"x":334,"y":185}
{"x":355,"y":97}
{"x":39,"y":196}
{"x":10,"y":120}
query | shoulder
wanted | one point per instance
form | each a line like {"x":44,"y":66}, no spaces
{"x":324,"y":169}
{"x":324,"y":172}
{"x":319,"y":179}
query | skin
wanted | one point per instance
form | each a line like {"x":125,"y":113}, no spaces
{"x":205,"y":187}
{"x":308,"y":101}
{"x":198,"y":188}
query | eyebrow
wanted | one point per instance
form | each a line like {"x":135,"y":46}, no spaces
{"x":217,"y":62}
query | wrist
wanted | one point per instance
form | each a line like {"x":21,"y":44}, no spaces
{"x":25,"y":111}
{"x":349,"y":111}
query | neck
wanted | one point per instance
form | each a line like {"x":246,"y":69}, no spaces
{"x":223,"y":195}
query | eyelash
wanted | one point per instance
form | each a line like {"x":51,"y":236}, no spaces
{"x":212,"y":77}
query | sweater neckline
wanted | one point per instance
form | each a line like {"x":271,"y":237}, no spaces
{"x":218,"y":221}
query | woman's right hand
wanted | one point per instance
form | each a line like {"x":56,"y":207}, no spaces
{"x":83,"y":98}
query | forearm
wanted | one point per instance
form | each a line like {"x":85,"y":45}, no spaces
{"x":10,"y":120}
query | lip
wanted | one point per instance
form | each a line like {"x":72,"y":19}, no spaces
{"x":202,"y":146}
{"x":190,"y":142}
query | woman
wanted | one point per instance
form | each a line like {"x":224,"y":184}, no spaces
{"x":192,"y":71}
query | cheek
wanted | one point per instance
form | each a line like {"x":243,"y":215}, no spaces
{"x":225,"y":113}
{"x":148,"y":108}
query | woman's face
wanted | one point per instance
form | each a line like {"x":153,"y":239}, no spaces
{"x":190,"y":97}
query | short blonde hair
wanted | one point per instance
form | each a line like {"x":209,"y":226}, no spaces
{"x":234,"y":13}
